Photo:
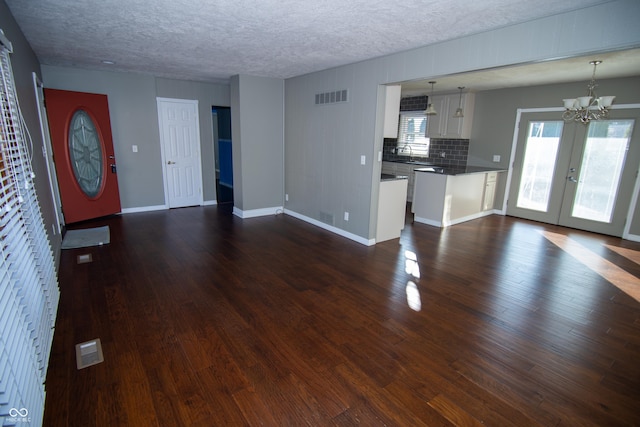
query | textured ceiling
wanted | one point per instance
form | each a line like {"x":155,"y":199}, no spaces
{"x":211,"y":40}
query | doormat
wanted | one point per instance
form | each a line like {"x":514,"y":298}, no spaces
{"x":86,"y":237}
{"x":89,"y":353}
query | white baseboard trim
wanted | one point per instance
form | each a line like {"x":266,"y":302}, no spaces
{"x":144,"y":209}
{"x":253,"y":213}
{"x":427,"y":221}
{"x":210,"y":203}
{"x":331,"y":228}
{"x":453,"y":222}
{"x":632,"y":237}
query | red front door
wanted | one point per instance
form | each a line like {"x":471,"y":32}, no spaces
{"x":83,"y":153}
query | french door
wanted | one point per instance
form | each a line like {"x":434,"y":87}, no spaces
{"x":575,"y":175}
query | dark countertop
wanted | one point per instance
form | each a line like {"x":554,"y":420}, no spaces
{"x":389,"y":177}
{"x":457,"y":170}
{"x":431,"y":167}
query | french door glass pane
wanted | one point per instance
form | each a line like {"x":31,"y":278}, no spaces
{"x":541,"y":149}
{"x":601,"y":168}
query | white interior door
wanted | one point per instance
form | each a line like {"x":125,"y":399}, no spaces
{"x":575,"y":175}
{"x":180,"y":141}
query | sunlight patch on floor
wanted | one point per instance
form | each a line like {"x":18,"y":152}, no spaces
{"x":412,"y":268}
{"x":629,"y":254}
{"x":413,"y":296}
{"x":411,"y":264}
{"x":626,"y":282}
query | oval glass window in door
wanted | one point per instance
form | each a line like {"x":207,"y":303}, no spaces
{"x":85,"y":152}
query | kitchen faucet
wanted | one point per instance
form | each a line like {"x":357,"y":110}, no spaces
{"x":410,"y":151}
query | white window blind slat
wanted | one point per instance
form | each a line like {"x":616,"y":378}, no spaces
{"x":412,"y":139}
{"x":29,"y":291}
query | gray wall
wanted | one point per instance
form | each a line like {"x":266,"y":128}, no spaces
{"x":134,"y":121}
{"x":323,"y":145}
{"x":257,"y":111}
{"x":24,"y":62}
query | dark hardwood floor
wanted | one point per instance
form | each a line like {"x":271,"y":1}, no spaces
{"x":209,"y":320}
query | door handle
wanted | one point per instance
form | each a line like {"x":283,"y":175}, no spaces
{"x":572,"y":179}
{"x":572,"y":170}
{"x":113,"y":168}
{"x":171,"y":163}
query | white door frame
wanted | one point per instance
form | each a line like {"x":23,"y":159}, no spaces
{"x":47,"y":152}
{"x":159,"y":101}
{"x":514,"y":144}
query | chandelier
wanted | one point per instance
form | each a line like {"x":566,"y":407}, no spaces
{"x":590,"y":107}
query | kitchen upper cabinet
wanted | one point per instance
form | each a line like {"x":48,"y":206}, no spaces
{"x":444,"y":125}
{"x":392,"y":111}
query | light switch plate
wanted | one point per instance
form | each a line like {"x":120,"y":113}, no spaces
{"x":134,"y":148}
{"x":363,"y":160}
{"x":496,"y":158}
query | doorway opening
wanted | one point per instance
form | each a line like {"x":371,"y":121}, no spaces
{"x":223,"y":153}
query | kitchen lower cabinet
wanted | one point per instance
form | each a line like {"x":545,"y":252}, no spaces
{"x":442,"y":200}
{"x":392,"y":203}
{"x":489,"y":191}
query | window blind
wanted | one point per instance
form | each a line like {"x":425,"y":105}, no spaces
{"x":29,"y":291}
{"x":412,"y":129}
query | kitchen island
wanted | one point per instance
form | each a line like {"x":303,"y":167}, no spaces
{"x":445,"y":196}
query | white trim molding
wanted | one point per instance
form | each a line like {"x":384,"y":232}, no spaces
{"x":331,"y":228}
{"x":253,"y":213}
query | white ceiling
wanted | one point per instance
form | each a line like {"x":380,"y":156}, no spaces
{"x":211,"y":40}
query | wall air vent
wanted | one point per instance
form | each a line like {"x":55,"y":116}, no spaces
{"x":332,"y":97}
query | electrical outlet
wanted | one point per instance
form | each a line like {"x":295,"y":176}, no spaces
{"x":363,"y":160}
{"x":496,"y":158}
{"x":346,"y":216}
{"x":286,"y":197}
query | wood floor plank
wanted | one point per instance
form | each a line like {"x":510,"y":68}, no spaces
{"x":207,"y":319}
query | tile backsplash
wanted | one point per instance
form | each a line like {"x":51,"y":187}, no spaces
{"x":455,"y":151}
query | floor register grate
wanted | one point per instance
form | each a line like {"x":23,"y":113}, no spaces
{"x":89,"y":353}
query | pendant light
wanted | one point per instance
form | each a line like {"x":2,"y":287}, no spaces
{"x":430,"y":111}
{"x":458,"y":113}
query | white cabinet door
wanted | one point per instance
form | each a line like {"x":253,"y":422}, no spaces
{"x":489,"y":191}
{"x":392,"y":111}
{"x":437,"y":125}
{"x":444,"y":125}
{"x":404,"y":169}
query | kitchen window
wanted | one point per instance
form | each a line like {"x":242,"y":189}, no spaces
{"x":412,"y":140}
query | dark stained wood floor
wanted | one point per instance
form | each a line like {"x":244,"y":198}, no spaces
{"x":209,"y":320}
